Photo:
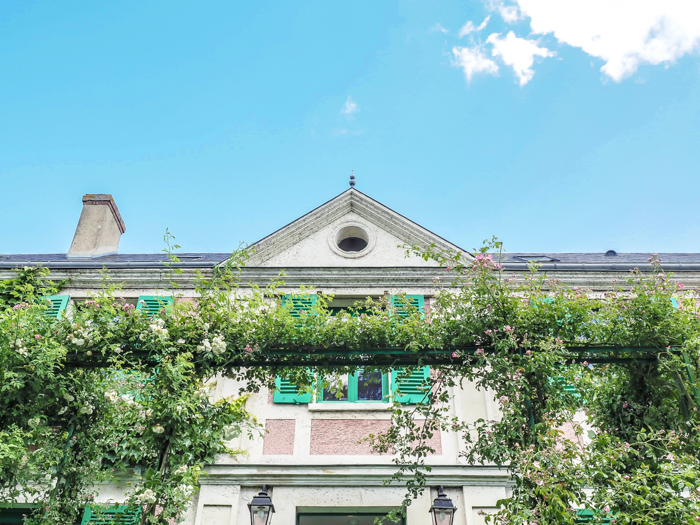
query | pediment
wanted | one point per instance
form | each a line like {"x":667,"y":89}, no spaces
{"x":312,"y":240}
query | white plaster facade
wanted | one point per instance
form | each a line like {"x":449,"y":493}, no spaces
{"x":342,"y":482}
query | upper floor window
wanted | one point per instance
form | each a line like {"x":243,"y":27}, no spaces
{"x":362,"y":386}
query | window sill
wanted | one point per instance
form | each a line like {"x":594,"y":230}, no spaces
{"x":340,"y":406}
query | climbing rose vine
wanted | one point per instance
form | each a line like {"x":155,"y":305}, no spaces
{"x":597,"y":392}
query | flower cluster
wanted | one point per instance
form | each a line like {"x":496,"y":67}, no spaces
{"x":217,"y":345}
{"x":157,"y":327}
{"x":84,"y":334}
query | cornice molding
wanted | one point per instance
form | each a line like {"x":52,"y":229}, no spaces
{"x":328,"y":278}
{"x":347,"y":475}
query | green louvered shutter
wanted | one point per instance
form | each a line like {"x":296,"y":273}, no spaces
{"x":13,"y":516}
{"x":586,"y":516}
{"x":286,"y":392}
{"x":111,"y":516}
{"x":566,"y":387}
{"x":59,"y":303}
{"x":154,"y":304}
{"x":417,"y":301}
{"x":413,"y":388}
{"x":300,"y":303}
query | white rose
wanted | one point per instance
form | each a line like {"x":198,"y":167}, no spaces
{"x":111,"y":397}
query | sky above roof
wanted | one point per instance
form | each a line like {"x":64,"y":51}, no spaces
{"x":555,"y":125}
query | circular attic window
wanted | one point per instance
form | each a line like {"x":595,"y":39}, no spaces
{"x":352,"y":239}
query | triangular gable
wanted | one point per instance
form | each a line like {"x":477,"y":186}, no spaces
{"x":301,"y":243}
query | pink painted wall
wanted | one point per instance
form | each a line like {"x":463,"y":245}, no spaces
{"x":343,"y":436}
{"x":279,"y":437}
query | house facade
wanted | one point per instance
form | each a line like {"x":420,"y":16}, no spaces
{"x":312,"y":455}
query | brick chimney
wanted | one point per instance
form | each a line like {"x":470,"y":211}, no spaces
{"x":99,"y":228}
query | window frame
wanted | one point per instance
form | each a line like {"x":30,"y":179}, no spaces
{"x":353,"y":391}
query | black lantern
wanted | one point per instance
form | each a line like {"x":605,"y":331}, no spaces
{"x":443,"y":510}
{"x":261,"y":508}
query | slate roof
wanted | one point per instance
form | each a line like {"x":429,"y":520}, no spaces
{"x":514,"y":261}
{"x":122,"y":260}
{"x":641,"y":258}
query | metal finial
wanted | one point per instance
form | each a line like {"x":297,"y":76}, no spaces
{"x":352,"y":179}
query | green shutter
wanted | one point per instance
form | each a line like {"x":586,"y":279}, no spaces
{"x":286,"y":392}
{"x":413,"y":388}
{"x":154,"y":304}
{"x":59,"y":303}
{"x":586,"y":516}
{"x":300,"y":303}
{"x":112,"y":516}
{"x":13,"y":516}
{"x":566,"y":387}
{"x":417,"y":301}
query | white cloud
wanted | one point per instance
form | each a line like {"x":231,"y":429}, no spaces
{"x":469,"y":27}
{"x":510,"y":13}
{"x":437,"y":28}
{"x":623,"y":33}
{"x":346,"y":132}
{"x":518,"y":53}
{"x":472,"y":61}
{"x":350,"y":107}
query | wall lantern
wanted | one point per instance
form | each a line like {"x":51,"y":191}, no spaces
{"x":443,"y":510}
{"x":261,"y":508}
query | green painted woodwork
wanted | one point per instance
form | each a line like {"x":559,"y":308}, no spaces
{"x":13,"y":516}
{"x":59,"y":303}
{"x":402,"y":309}
{"x":353,"y":391}
{"x":566,"y":387}
{"x":328,"y":518}
{"x":300,"y":303}
{"x":112,"y":516}
{"x":412,"y":388}
{"x":286,"y":392}
{"x":154,"y":304}
{"x":586,"y":516}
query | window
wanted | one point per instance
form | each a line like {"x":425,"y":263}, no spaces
{"x":361,"y":386}
{"x":535,"y":258}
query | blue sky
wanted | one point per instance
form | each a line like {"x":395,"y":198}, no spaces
{"x":223,"y":121}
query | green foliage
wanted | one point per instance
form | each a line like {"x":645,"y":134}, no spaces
{"x":113,"y":392}
{"x":29,"y":286}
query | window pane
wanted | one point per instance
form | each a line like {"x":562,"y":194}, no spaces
{"x":336,"y":391}
{"x":369,"y":386}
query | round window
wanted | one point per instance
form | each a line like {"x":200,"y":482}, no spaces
{"x":352,"y":239}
